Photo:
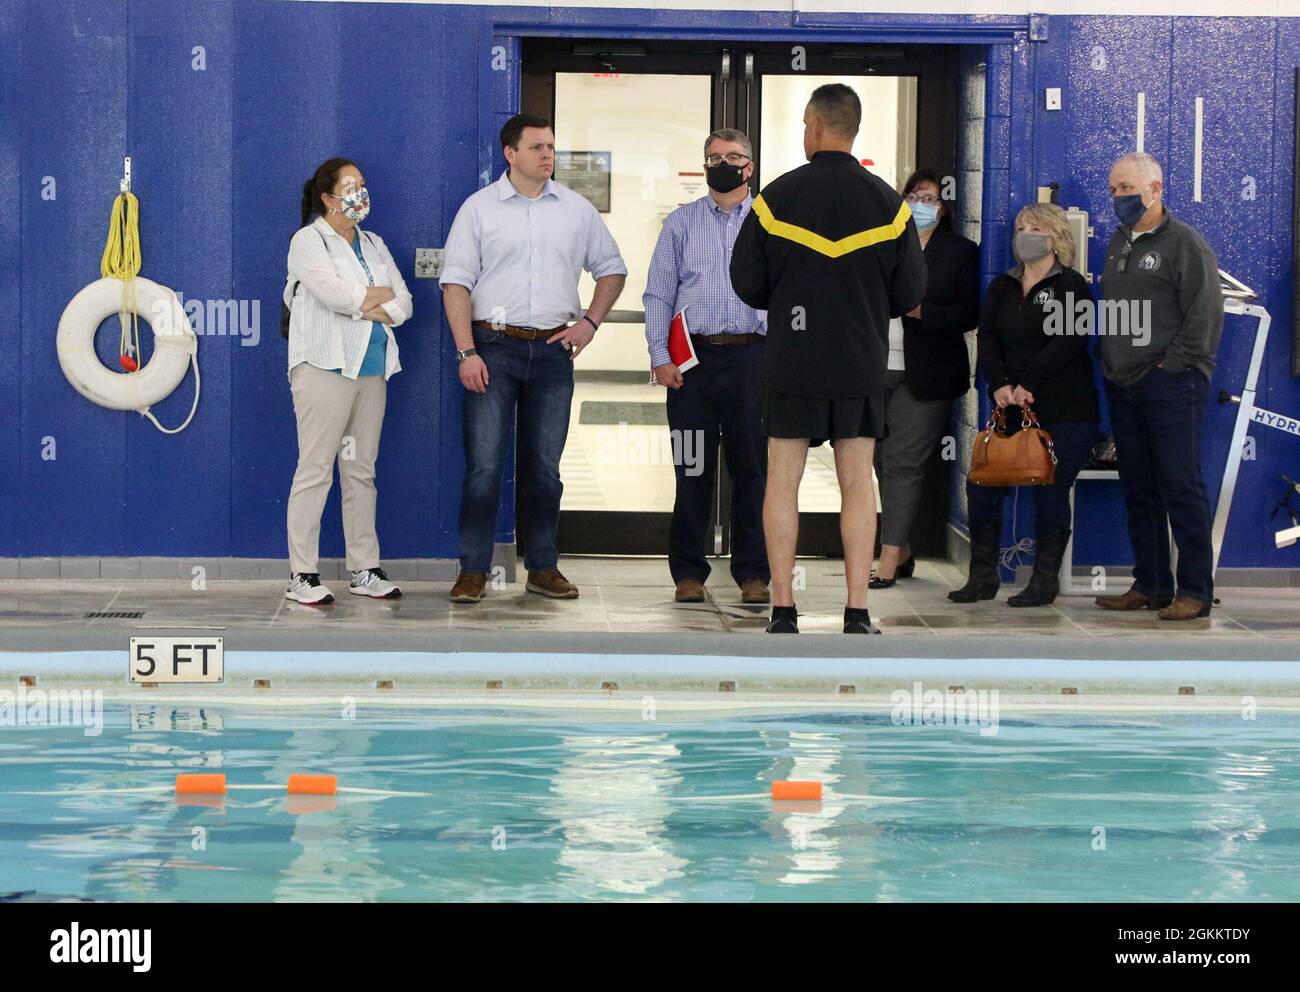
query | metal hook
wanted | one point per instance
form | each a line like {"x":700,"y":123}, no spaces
{"x":125,"y":185}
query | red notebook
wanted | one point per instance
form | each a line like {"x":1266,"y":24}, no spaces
{"x":680,"y":348}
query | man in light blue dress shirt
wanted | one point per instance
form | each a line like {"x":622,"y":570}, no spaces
{"x":721,"y":396}
{"x":510,"y":287}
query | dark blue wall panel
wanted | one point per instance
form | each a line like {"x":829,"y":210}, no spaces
{"x":1238,"y":77}
{"x":11,"y":373}
{"x":72,"y":118}
{"x":221,"y":155}
{"x":179,"y":134}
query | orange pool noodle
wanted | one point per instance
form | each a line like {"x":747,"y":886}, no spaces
{"x":313,"y":785}
{"x":810,"y":791}
{"x":200,"y":785}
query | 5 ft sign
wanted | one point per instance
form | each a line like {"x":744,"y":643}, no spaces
{"x":177,"y":659}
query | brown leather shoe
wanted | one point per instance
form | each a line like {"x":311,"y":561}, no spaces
{"x":754,"y":591}
{"x":469,"y":587}
{"x":549,"y":582}
{"x":1132,"y":600}
{"x":689,"y":591}
{"x":1185,"y":608}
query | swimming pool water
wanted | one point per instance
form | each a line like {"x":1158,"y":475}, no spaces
{"x":571,"y":807}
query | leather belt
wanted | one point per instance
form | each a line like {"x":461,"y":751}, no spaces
{"x":525,"y":333}
{"x":727,"y":338}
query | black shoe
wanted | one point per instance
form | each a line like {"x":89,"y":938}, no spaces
{"x":858,"y":622}
{"x":903,"y":571}
{"x":1044,"y":584}
{"x":785,"y":620}
{"x":983,"y":582}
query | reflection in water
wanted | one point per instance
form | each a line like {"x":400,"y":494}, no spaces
{"x":139,"y":853}
{"x":337,"y":855}
{"x":806,"y":757}
{"x":611,"y":798}
{"x":1198,"y":807}
{"x":1236,"y":821}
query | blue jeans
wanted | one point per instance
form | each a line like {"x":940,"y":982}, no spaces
{"x":537,"y":379}
{"x":1157,"y":424}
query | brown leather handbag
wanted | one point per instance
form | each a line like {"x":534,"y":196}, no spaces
{"x":1023,"y":458}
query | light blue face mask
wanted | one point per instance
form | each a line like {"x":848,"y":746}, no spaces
{"x":926,"y":214}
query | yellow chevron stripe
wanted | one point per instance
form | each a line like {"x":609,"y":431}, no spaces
{"x":825,"y":246}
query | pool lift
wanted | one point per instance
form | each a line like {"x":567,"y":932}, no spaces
{"x":1238,"y":298}
{"x":1287,"y":537}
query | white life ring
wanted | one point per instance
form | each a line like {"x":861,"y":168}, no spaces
{"x":175,"y":348}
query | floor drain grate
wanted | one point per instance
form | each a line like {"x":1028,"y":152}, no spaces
{"x":114,"y":615}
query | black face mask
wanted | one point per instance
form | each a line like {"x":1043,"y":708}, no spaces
{"x":725,"y":177}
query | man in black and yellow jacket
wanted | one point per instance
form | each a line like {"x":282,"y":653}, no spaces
{"x":830,"y":251}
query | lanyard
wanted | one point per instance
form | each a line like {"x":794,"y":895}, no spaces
{"x":362,"y":258}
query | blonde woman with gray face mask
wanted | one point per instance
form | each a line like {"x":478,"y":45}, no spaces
{"x":1033,"y":351}
{"x":345,"y":295}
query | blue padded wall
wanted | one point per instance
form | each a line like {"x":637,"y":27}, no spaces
{"x":221,"y":155}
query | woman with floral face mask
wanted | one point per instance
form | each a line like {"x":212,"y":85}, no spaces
{"x":345,"y":296}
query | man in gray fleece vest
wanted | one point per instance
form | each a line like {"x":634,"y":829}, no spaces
{"x":1162,"y":319}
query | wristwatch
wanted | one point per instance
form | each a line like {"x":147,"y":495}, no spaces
{"x":462,"y":355}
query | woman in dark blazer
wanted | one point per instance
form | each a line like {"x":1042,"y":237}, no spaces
{"x":1033,"y":349}
{"x":929,"y":367}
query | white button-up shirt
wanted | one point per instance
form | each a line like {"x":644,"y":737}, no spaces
{"x":326,"y":327}
{"x":521,"y":259}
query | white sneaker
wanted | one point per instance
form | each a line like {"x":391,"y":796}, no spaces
{"x":305,"y":587}
{"x":373,"y":582}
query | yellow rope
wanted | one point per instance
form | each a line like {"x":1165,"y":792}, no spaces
{"x":122,"y":261}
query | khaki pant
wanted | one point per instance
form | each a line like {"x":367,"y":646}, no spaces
{"x":338,"y":418}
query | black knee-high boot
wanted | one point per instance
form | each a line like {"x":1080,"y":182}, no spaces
{"x":983,"y":580}
{"x":1044,"y":584}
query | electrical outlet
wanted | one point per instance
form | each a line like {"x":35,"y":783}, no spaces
{"x":1053,"y":98}
{"x":428,"y":263}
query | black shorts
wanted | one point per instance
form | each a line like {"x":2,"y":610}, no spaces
{"x":822,"y":420}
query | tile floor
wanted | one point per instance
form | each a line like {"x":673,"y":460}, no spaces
{"x":619,"y":596}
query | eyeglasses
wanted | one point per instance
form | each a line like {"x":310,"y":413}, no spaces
{"x":733,"y":158}
{"x":927,"y":198}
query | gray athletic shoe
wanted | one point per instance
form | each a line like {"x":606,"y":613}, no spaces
{"x":374,"y":583}
{"x":305,"y":587}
